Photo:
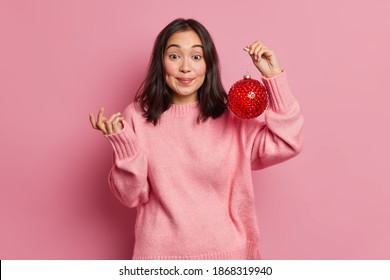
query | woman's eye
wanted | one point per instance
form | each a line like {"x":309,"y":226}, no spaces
{"x":197,"y":57}
{"x":173,"y":56}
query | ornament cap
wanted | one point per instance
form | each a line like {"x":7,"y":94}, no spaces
{"x":247,"y":75}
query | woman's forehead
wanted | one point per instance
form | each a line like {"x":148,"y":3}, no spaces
{"x":184,"y":39}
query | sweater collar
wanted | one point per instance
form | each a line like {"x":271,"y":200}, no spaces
{"x":181,"y":110}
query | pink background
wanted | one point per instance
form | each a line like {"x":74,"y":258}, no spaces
{"x":60,"y":60}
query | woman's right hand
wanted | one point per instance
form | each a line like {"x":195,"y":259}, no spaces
{"x":112,"y":125}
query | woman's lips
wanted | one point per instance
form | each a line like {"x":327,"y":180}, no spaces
{"x":185,"y":81}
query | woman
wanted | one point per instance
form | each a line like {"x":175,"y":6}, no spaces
{"x":184,"y":160}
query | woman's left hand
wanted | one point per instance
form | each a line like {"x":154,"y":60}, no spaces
{"x":264,"y":59}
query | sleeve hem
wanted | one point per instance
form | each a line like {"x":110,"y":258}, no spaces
{"x":279,"y":93}
{"x":124,"y":143}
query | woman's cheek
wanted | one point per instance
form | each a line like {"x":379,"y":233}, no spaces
{"x":169,"y":69}
{"x":201,"y":69}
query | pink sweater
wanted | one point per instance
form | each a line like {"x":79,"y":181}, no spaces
{"x":192,"y":183}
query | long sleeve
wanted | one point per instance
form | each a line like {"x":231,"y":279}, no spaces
{"x":128,"y":176}
{"x":280,"y":136}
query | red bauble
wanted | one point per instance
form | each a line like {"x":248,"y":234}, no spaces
{"x":247,"y":98}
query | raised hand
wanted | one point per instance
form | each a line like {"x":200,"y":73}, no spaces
{"x":112,"y":125}
{"x":264,"y":59}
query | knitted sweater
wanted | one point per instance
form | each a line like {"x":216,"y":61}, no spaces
{"x":192,"y":183}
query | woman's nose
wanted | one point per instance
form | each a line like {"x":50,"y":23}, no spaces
{"x":185,"y":67}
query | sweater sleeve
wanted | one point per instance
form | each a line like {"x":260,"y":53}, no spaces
{"x":128,"y":176}
{"x":279,"y":137}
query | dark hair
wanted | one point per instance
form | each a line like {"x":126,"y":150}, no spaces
{"x":154,"y":96}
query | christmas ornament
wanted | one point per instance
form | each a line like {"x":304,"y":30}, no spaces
{"x":247,"y":98}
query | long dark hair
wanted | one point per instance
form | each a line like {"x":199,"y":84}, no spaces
{"x":154,"y":96}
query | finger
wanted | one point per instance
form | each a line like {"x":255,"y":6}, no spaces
{"x":109,"y":128}
{"x":258,"y":52}
{"x":100,"y":115}
{"x":247,"y":48}
{"x":113,"y":117}
{"x":253,"y":47}
{"x":102,"y":128}
{"x":117,"y":124}
{"x":109,"y":123}
{"x":101,"y":125}
{"x":92,"y":120}
{"x":101,"y":121}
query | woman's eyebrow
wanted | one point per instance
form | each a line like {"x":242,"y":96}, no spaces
{"x":178,"y":46}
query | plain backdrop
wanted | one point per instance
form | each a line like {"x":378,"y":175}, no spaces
{"x":60,"y":60}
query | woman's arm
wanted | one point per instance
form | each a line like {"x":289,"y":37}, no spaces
{"x":128,"y":175}
{"x":280,"y":136}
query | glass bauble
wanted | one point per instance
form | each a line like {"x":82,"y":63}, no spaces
{"x":247,"y":98}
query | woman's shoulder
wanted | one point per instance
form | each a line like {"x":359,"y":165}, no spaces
{"x":133,"y":110}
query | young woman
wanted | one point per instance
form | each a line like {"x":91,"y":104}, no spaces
{"x":184,"y":160}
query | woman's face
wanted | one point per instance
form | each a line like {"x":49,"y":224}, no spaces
{"x":185,"y":66}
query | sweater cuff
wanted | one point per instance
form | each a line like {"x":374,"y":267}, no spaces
{"x":279,"y":93}
{"x":124,"y":143}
